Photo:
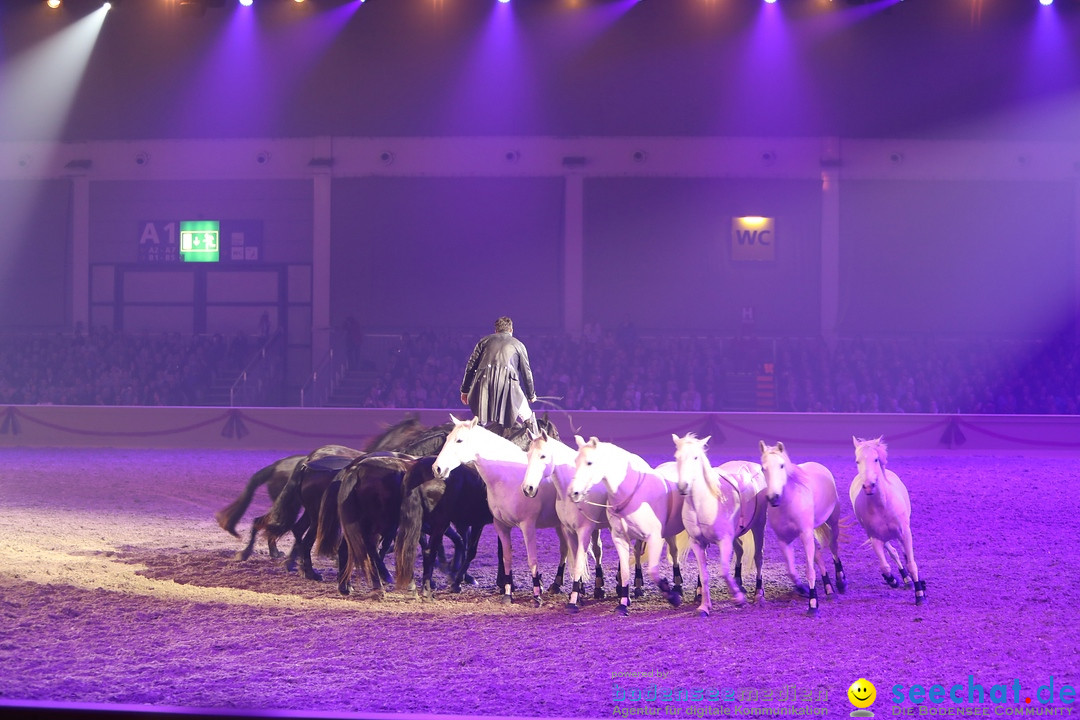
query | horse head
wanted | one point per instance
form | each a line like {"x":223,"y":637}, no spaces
{"x":457,"y":450}
{"x":691,"y":462}
{"x":774,"y":466}
{"x":541,"y":464}
{"x":871,"y":456}
{"x":587,"y":467}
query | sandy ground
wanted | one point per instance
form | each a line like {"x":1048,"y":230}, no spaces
{"x":117,"y":586}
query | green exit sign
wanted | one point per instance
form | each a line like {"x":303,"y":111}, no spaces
{"x":200,"y":240}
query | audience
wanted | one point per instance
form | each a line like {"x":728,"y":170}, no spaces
{"x":113,"y":368}
{"x":600,"y":370}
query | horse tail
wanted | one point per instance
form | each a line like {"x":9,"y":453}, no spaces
{"x":410,"y":524}
{"x":328,"y":535}
{"x":228,"y":516}
{"x":823,"y":534}
{"x":286,"y":506}
{"x":349,"y":517}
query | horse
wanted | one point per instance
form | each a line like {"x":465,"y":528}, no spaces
{"x":883,"y":507}
{"x":307,"y":485}
{"x":368,"y":506}
{"x":804,"y":508}
{"x":551,"y":459}
{"x":643,"y":505}
{"x":501,"y":465}
{"x":722,"y":505}
{"x":274,"y":476}
{"x":431,"y":501}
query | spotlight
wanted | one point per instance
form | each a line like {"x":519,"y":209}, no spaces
{"x":53,"y":3}
{"x":107,"y":5}
{"x":246,"y":3}
{"x":504,"y":1}
{"x":1046,"y":2}
{"x":770,"y":1}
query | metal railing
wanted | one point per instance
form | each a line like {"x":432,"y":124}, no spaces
{"x":326,"y":376}
{"x":263,"y":376}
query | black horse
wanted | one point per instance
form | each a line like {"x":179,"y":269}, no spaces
{"x":306,"y":487}
{"x":274,"y":476}
{"x":433,"y":503}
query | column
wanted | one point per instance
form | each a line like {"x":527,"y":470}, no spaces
{"x":80,"y":251}
{"x":573,"y":243}
{"x":320,"y":269}
{"x":830,"y":251}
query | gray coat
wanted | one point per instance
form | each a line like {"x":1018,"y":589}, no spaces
{"x":498,"y":379}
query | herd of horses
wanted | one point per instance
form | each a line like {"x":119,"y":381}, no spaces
{"x":413,"y":486}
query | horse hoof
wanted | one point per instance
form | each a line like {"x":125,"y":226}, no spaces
{"x":455,"y":588}
{"x":622,"y":610}
{"x":739,"y":600}
{"x":598,"y":594}
{"x":344,"y":591}
{"x":703,"y":613}
{"x":639,"y":592}
{"x":802,"y":590}
{"x":537,"y":601}
{"x":277,"y":555}
{"x":555,"y":589}
{"x":674,"y":598}
{"x":841,"y":586}
{"x":812,"y":612}
{"x":891,"y":581}
{"x":572,"y":608}
{"x":506,"y":599}
{"x":470,"y":580}
{"x":920,"y":599}
{"x":240,"y":556}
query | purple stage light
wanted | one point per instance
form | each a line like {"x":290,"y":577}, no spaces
{"x":770,"y":1}
{"x":1046,"y":2}
{"x":504,"y":1}
{"x":246,"y":3}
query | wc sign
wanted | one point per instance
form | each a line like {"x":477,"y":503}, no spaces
{"x":753,"y":238}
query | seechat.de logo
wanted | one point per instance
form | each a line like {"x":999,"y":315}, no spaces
{"x":862,"y":695}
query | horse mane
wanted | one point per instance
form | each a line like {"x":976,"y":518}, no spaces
{"x":712,"y":475}
{"x":794,"y":471}
{"x":877,"y":445}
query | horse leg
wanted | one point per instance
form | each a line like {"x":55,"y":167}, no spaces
{"x":788,"y":551}
{"x":380,"y":564}
{"x":883,"y":563}
{"x":639,"y":578}
{"x":737,"y":593}
{"x":701,"y":555}
{"x":565,"y":555}
{"x":472,"y":542}
{"x":598,"y":555}
{"x":579,"y":565}
{"x":304,"y":556}
{"x":342,"y":563}
{"x":819,"y":562}
{"x":371,"y":542}
{"x":622,"y":549}
{"x":676,"y":570}
{"x":500,"y":574}
{"x":738,"y":546}
{"x":834,"y":548}
{"x":809,"y":547}
{"x":528,"y":531}
{"x":757,"y":532}
{"x":655,"y":546}
{"x":244,"y":554}
{"x":506,"y":566}
{"x":899,"y":563}
{"x":909,"y":553}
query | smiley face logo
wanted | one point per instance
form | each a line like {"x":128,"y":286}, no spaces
{"x":862,"y":693}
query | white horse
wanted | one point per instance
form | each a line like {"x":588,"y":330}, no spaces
{"x":883,"y":508}
{"x":551,"y":459}
{"x":722,"y":504}
{"x":804,"y":508}
{"x":501,"y":465}
{"x":643,"y":504}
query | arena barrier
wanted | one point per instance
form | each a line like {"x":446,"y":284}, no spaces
{"x":646,"y":433}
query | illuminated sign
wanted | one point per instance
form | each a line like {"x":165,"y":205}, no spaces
{"x":753,"y":238}
{"x":199,"y":240}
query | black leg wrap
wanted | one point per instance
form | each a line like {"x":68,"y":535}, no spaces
{"x":890,"y":580}
{"x":599,"y":572}
{"x":623,"y":591}
{"x":639,"y":578}
{"x":827,"y":583}
{"x":920,"y":592}
{"x":676,"y":575}
{"x":812,"y":610}
{"x":903,"y":573}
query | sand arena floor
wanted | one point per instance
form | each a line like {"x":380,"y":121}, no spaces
{"x":117,"y":586}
